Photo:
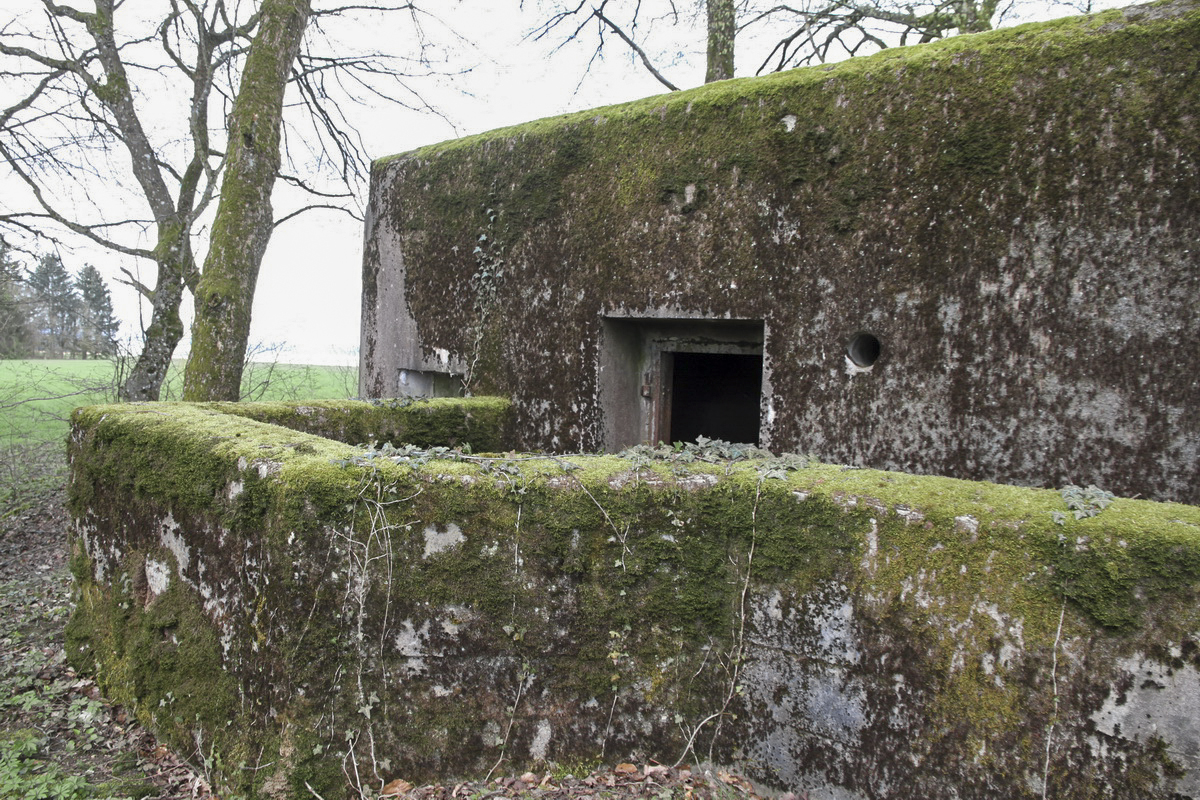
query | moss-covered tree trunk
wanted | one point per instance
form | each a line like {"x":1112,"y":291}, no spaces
{"x":244,"y":220}
{"x":173,"y":256}
{"x":722,"y":29}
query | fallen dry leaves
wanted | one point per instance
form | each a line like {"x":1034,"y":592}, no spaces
{"x":620,"y":782}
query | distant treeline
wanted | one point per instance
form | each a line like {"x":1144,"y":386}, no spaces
{"x":45,"y":312}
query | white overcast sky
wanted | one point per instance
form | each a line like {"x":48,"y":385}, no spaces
{"x":307,"y":303}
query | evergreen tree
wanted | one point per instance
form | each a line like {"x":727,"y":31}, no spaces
{"x":98,"y":325}
{"x":55,"y":308}
{"x":14,"y":317}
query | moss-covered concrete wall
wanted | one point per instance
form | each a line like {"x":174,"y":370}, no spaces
{"x":298,"y":612}
{"x":1013,"y":214}
{"x":484,"y":423}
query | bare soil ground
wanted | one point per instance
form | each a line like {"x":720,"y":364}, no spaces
{"x":60,"y":739}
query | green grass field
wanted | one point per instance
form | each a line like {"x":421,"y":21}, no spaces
{"x":36,"y":397}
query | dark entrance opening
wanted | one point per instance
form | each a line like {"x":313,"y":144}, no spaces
{"x":668,"y":379}
{"x":716,"y":395}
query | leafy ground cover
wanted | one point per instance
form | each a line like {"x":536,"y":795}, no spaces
{"x":59,"y":739}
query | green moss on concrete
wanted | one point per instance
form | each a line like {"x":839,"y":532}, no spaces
{"x":185,"y":454}
{"x":588,"y":579}
{"x":183,"y":457}
{"x":1014,"y":44}
{"x":1110,"y":564}
{"x":481,"y":422}
{"x":836,"y":193}
{"x":158,"y":656}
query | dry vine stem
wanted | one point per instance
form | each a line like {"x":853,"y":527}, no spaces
{"x":360,"y":557}
{"x":739,"y":648}
{"x":1054,"y":680}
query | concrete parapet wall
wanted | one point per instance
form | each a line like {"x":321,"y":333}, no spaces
{"x":300,"y":612}
{"x":484,"y":423}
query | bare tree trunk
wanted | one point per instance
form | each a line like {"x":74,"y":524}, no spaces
{"x":172,"y":255}
{"x":722,"y":28}
{"x":244,"y":220}
{"x":76,"y":104}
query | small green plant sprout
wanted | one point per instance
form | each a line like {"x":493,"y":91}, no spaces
{"x":780,"y":466}
{"x":504,"y":467}
{"x":616,"y":652}
{"x":369,"y":705}
{"x":1082,"y":503}
{"x":407,"y":454}
{"x":703,"y":449}
{"x":23,"y":774}
{"x":716,"y":451}
{"x":388,"y":402}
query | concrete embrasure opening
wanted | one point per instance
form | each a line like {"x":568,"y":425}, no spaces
{"x":428,"y":383}
{"x":674,"y":380}
{"x":864,"y":349}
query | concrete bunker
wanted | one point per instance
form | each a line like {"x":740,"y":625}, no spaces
{"x":252,"y":579}
{"x":957,"y":267}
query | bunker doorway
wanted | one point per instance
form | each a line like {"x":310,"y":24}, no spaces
{"x":676,"y":379}
{"x":715,"y":395}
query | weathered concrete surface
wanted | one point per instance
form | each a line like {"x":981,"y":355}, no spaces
{"x":300,"y":612}
{"x":1014,"y":215}
{"x":484,"y":423}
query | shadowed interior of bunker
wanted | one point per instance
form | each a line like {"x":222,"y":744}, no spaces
{"x":716,"y":395}
{"x":670,"y":379}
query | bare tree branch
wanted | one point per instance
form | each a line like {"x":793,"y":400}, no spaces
{"x":314,"y":207}
{"x":830,"y":28}
{"x":302,"y":185}
{"x":635,"y":48}
{"x":786,"y":34}
{"x":87,"y":230}
{"x":83,"y":83}
{"x":132,"y":281}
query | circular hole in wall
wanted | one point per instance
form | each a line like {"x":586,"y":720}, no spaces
{"x":864,"y":349}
